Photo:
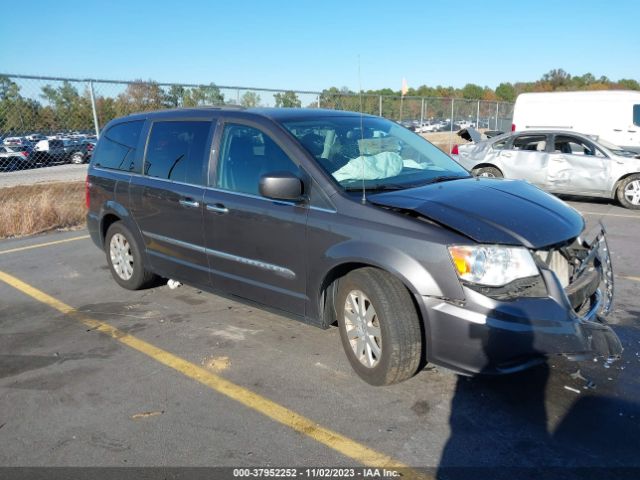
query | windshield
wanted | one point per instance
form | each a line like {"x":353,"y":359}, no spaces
{"x":615,"y":149}
{"x":373,"y":151}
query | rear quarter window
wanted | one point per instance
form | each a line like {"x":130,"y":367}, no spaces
{"x":636,"y":115}
{"x":117,"y":146}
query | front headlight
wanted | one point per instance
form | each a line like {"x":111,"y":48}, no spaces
{"x":492,"y":265}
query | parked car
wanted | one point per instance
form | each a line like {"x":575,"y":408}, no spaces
{"x":15,"y":158}
{"x":340,"y":218}
{"x":78,"y":151}
{"x":48,"y":152}
{"x":35,"y":137}
{"x":15,"y":141}
{"x":559,"y":162}
{"x":611,"y":114}
{"x":426,"y":127}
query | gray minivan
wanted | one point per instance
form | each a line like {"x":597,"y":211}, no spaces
{"x":338,"y":218}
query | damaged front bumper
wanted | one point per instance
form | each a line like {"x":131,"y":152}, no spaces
{"x":486,"y":335}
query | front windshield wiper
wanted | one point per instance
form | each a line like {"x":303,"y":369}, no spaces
{"x":375,"y":188}
{"x":438,"y":179}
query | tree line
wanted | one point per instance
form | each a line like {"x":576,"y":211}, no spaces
{"x":66,"y":107}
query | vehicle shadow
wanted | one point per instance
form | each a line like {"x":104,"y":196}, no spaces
{"x":527,"y":425}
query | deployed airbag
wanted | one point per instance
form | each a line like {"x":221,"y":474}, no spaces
{"x":373,"y":167}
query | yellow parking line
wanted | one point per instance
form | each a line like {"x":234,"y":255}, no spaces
{"x":40,"y":245}
{"x":611,"y":214}
{"x":635,"y":279}
{"x":341,"y":444}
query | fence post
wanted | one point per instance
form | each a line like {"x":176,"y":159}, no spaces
{"x":497,"y":113}
{"x":380,"y":105}
{"x":478,"y":115}
{"x":93,"y":108}
{"x":451,"y":125}
{"x":318,"y":101}
{"x":422,"y":112}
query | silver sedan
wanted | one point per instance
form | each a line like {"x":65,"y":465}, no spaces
{"x":559,"y":162}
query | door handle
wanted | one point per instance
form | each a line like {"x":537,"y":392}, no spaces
{"x":617,"y":129}
{"x":187,"y":202}
{"x":508,"y":155}
{"x":631,"y":131}
{"x":218,"y":208}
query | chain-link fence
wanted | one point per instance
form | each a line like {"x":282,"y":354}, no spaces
{"x":57,"y":120}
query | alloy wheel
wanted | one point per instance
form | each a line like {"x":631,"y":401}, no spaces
{"x":121,"y":256}
{"x":632,"y":192}
{"x":363,"y":328}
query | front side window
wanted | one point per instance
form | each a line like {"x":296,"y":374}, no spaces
{"x":117,"y":146}
{"x":373,"y":153}
{"x":636,"y":115}
{"x":574,"y":146}
{"x":246,"y":154}
{"x":176,"y":151}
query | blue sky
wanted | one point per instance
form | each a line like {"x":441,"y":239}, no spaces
{"x":313,"y":45}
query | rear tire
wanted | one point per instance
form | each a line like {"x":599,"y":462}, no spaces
{"x":490,"y":172}
{"x":124,"y":257}
{"x":629,"y":192}
{"x":379,"y":326}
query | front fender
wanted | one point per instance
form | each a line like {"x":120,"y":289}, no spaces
{"x":438,"y":280}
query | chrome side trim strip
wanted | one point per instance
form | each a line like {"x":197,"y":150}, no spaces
{"x":278,"y":270}
{"x":174,"y":241}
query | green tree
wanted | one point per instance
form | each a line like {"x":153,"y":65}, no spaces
{"x":472,"y":91}
{"x":204,"y":95}
{"x":506,"y":92}
{"x":140,"y":96}
{"x":287,"y":99}
{"x":72,"y":110}
{"x":556,"y":78}
{"x":175,"y":96}
{"x":629,"y":84}
{"x":250,"y":99}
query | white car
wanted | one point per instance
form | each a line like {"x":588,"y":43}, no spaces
{"x":35,"y":137}
{"x":610,"y":114}
{"x":429,"y":127}
{"x":559,"y":162}
{"x":13,"y":141}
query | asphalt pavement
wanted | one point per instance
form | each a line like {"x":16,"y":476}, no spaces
{"x":95,"y":375}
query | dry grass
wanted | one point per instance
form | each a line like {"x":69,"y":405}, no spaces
{"x":30,"y":209}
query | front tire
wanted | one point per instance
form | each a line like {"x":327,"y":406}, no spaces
{"x":490,"y":172}
{"x":125,"y":258}
{"x":379,"y":326}
{"x":629,"y":192}
{"x":77,"y":158}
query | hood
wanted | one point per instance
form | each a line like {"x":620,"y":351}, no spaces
{"x":510,"y":212}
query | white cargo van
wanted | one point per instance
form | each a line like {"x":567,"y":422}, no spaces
{"x":613,"y":115}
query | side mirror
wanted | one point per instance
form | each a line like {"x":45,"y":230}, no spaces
{"x":281,"y":186}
